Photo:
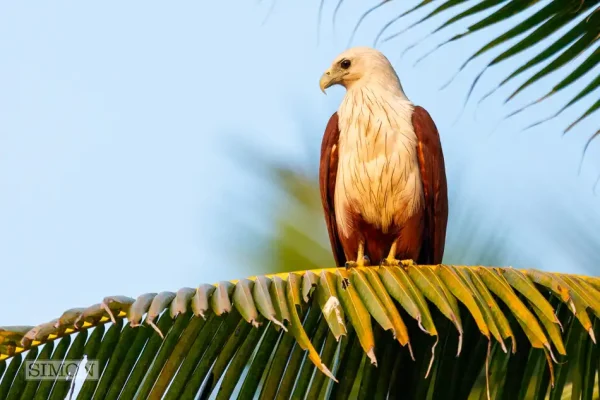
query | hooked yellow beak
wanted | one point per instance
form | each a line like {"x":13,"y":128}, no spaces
{"x":326,"y":81}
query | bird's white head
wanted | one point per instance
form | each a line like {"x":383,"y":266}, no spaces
{"x":359,"y":66}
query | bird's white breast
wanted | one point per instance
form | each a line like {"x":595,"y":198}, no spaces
{"x":378,"y":171}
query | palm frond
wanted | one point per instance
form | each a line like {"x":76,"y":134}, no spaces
{"x":578,"y":20}
{"x":423,"y":331}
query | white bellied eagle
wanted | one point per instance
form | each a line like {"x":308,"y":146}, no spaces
{"x":382,"y":174}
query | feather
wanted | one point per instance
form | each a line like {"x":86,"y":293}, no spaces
{"x":435,"y":190}
{"x":327,"y":178}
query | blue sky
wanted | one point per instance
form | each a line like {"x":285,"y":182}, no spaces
{"x":117,"y":121}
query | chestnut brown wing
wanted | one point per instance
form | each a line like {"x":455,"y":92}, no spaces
{"x":327,"y":175}
{"x":435,"y":189}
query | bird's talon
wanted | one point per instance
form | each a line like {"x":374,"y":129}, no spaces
{"x":390,"y":262}
{"x":407,"y":263}
{"x":363,"y":262}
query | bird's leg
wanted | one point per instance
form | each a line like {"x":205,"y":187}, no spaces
{"x":391,"y":258}
{"x":361,"y":259}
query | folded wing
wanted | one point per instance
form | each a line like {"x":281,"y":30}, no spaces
{"x":327,"y":175}
{"x":435,"y":190}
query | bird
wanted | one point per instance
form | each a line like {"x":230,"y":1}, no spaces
{"x":382,"y":175}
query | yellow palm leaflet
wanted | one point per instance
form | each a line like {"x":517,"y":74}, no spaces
{"x":136,"y":311}
{"x":526,"y":319}
{"x":370,"y":299}
{"x":523,"y":285}
{"x":328,"y":299}
{"x":590,"y":295}
{"x":488,"y":307}
{"x":400,"y":331}
{"x":262,"y":299}
{"x":180,"y":302}
{"x":357,"y":313}
{"x":219,"y":301}
{"x":309,"y":284}
{"x":402,"y":288}
{"x":243,"y":300}
{"x":550,"y":281}
{"x":293,"y":301}
{"x":579,"y":306}
{"x":200,"y":302}
{"x":552,"y":329}
{"x":278,"y":298}
{"x":592,"y":280}
{"x":461,"y":291}
{"x":435,"y":290}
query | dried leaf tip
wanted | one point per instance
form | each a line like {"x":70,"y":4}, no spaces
{"x":279,"y":324}
{"x":432,"y":357}
{"x":549,"y":350}
{"x":410,"y":350}
{"x":106,"y":308}
{"x":503,"y":347}
{"x":323,"y":368}
{"x":371,"y":355}
{"x":332,"y":304}
{"x":157,"y":329}
{"x":255,"y":323}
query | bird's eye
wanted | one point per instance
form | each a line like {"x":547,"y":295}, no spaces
{"x":345,"y":64}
